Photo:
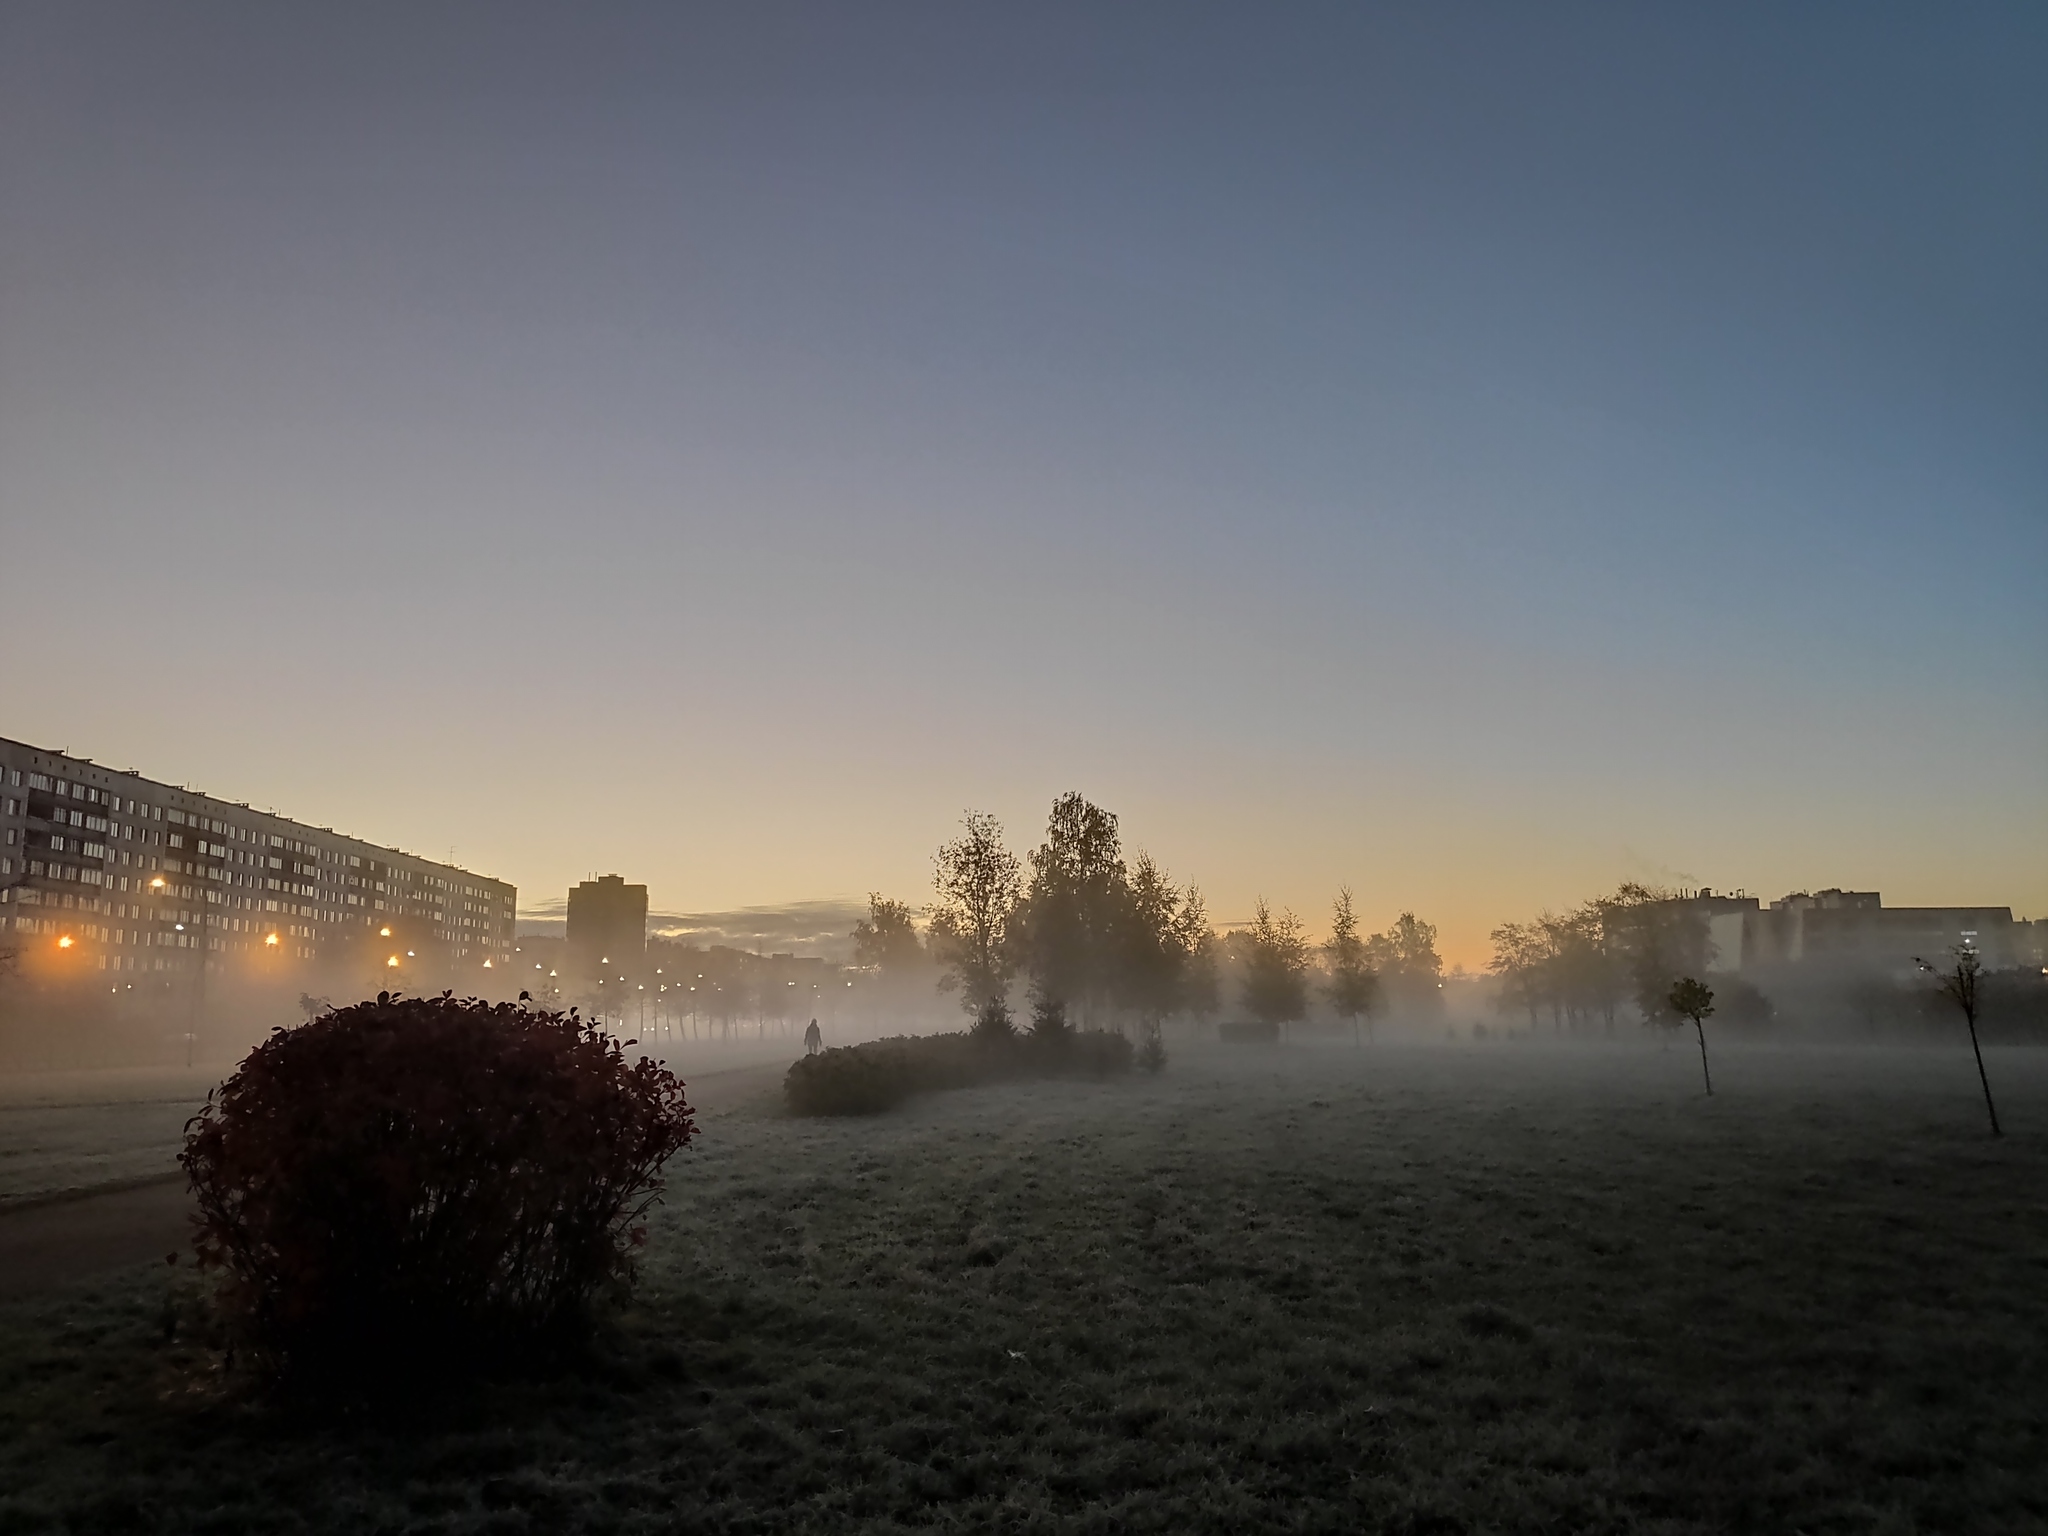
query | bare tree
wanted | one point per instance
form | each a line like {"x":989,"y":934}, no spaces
{"x":1959,"y":985}
{"x":1354,"y":985}
{"x":979,"y":882}
{"x":1694,"y":1000}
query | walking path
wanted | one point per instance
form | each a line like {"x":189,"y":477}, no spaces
{"x":66,"y":1237}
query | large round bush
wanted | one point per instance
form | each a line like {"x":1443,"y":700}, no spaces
{"x":412,"y":1176}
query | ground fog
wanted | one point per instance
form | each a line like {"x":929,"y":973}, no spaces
{"x":1482,"y":1287}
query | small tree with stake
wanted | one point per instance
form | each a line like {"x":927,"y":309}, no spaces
{"x":1694,"y":1000}
{"x":1959,"y":986}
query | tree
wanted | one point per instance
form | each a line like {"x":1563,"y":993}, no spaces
{"x":1353,"y":984}
{"x":1690,"y":999}
{"x":1074,"y":912}
{"x":886,"y":938}
{"x":1276,"y":967}
{"x":1406,"y":959}
{"x":979,"y":882}
{"x":1149,"y":960}
{"x":1659,"y":937}
{"x":1518,"y":960}
{"x":1197,"y":941}
{"x":1959,"y":985}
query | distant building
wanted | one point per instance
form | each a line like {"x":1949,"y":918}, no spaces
{"x":607,"y":926}
{"x":1855,"y":929}
{"x":102,"y":869}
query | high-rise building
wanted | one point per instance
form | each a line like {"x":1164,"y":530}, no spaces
{"x":104,"y":870}
{"x":607,"y":926}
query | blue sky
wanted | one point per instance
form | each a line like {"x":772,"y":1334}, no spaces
{"x":1472,"y":453}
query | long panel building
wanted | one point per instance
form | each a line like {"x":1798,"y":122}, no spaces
{"x":106,"y":870}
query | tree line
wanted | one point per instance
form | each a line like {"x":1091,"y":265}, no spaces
{"x":1099,"y":938}
{"x":1608,"y":953}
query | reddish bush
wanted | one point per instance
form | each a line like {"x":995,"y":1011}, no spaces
{"x":412,"y":1176}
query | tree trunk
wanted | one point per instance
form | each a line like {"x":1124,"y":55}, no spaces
{"x":1990,"y":1108}
{"x":1701,"y":1029}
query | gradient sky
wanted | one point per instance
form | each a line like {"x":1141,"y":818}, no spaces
{"x":1476,"y":453}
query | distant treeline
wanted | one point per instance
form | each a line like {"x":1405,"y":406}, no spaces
{"x":1612,"y":952}
{"x":1621,"y":954}
{"x":1093,"y":937}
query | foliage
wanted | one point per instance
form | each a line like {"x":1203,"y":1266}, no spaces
{"x":886,"y":939}
{"x":1152,"y":1048}
{"x":1073,"y":911}
{"x":1049,"y":1017}
{"x":1353,"y":986}
{"x":979,"y":884}
{"x":1657,"y":937}
{"x":1103,"y":937}
{"x":1406,"y":961}
{"x":1693,"y":999}
{"x":993,"y":1021}
{"x":1583,"y":964}
{"x":1743,"y":1002}
{"x":422,"y":1174}
{"x":1276,"y":966}
{"x":880,"y":1074}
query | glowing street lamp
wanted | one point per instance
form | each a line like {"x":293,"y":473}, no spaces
{"x":65,"y":942}
{"x":392,"y":963}
{"x":270,"y":942}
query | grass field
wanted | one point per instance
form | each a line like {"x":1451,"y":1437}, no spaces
{"x":62,"y":1133}
{"x":1485,"y":1288}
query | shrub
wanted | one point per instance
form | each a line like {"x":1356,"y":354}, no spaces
{"x":867,"y":1079}
{"x":414,"y":1177}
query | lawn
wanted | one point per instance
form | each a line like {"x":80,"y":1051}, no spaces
{"x":1500,"y":1287}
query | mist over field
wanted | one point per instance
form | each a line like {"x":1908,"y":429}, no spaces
{"x":1089,"y":769}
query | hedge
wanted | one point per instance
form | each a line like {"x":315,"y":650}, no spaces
{"x":867,"y":1079}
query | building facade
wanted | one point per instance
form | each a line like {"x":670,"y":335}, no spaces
{"x":607,"y":927}
{"x":1856,"y":930}
{"x":103,"y":870}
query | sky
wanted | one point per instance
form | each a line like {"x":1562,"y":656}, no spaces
{"x":1473,"y":454}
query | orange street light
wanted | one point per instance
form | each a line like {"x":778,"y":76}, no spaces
{"x":65,"y":942}
{"x":271,"y":942}
{"x":383,"y":933}
{"x":392,"y":962}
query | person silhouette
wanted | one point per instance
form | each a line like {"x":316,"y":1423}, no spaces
{"x":813,"y":1042}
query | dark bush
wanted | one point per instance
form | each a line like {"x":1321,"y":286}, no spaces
{"x":410,"y":1178}
{"x":867,"y":1079}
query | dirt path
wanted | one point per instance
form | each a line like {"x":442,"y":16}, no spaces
{"x":49,"y":1243}
{"x":59,"y":1241}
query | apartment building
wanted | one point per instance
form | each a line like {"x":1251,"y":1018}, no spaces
{"x":1855,"y":929}
{"x":104,"y":870}
{"x":607,"y":927}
